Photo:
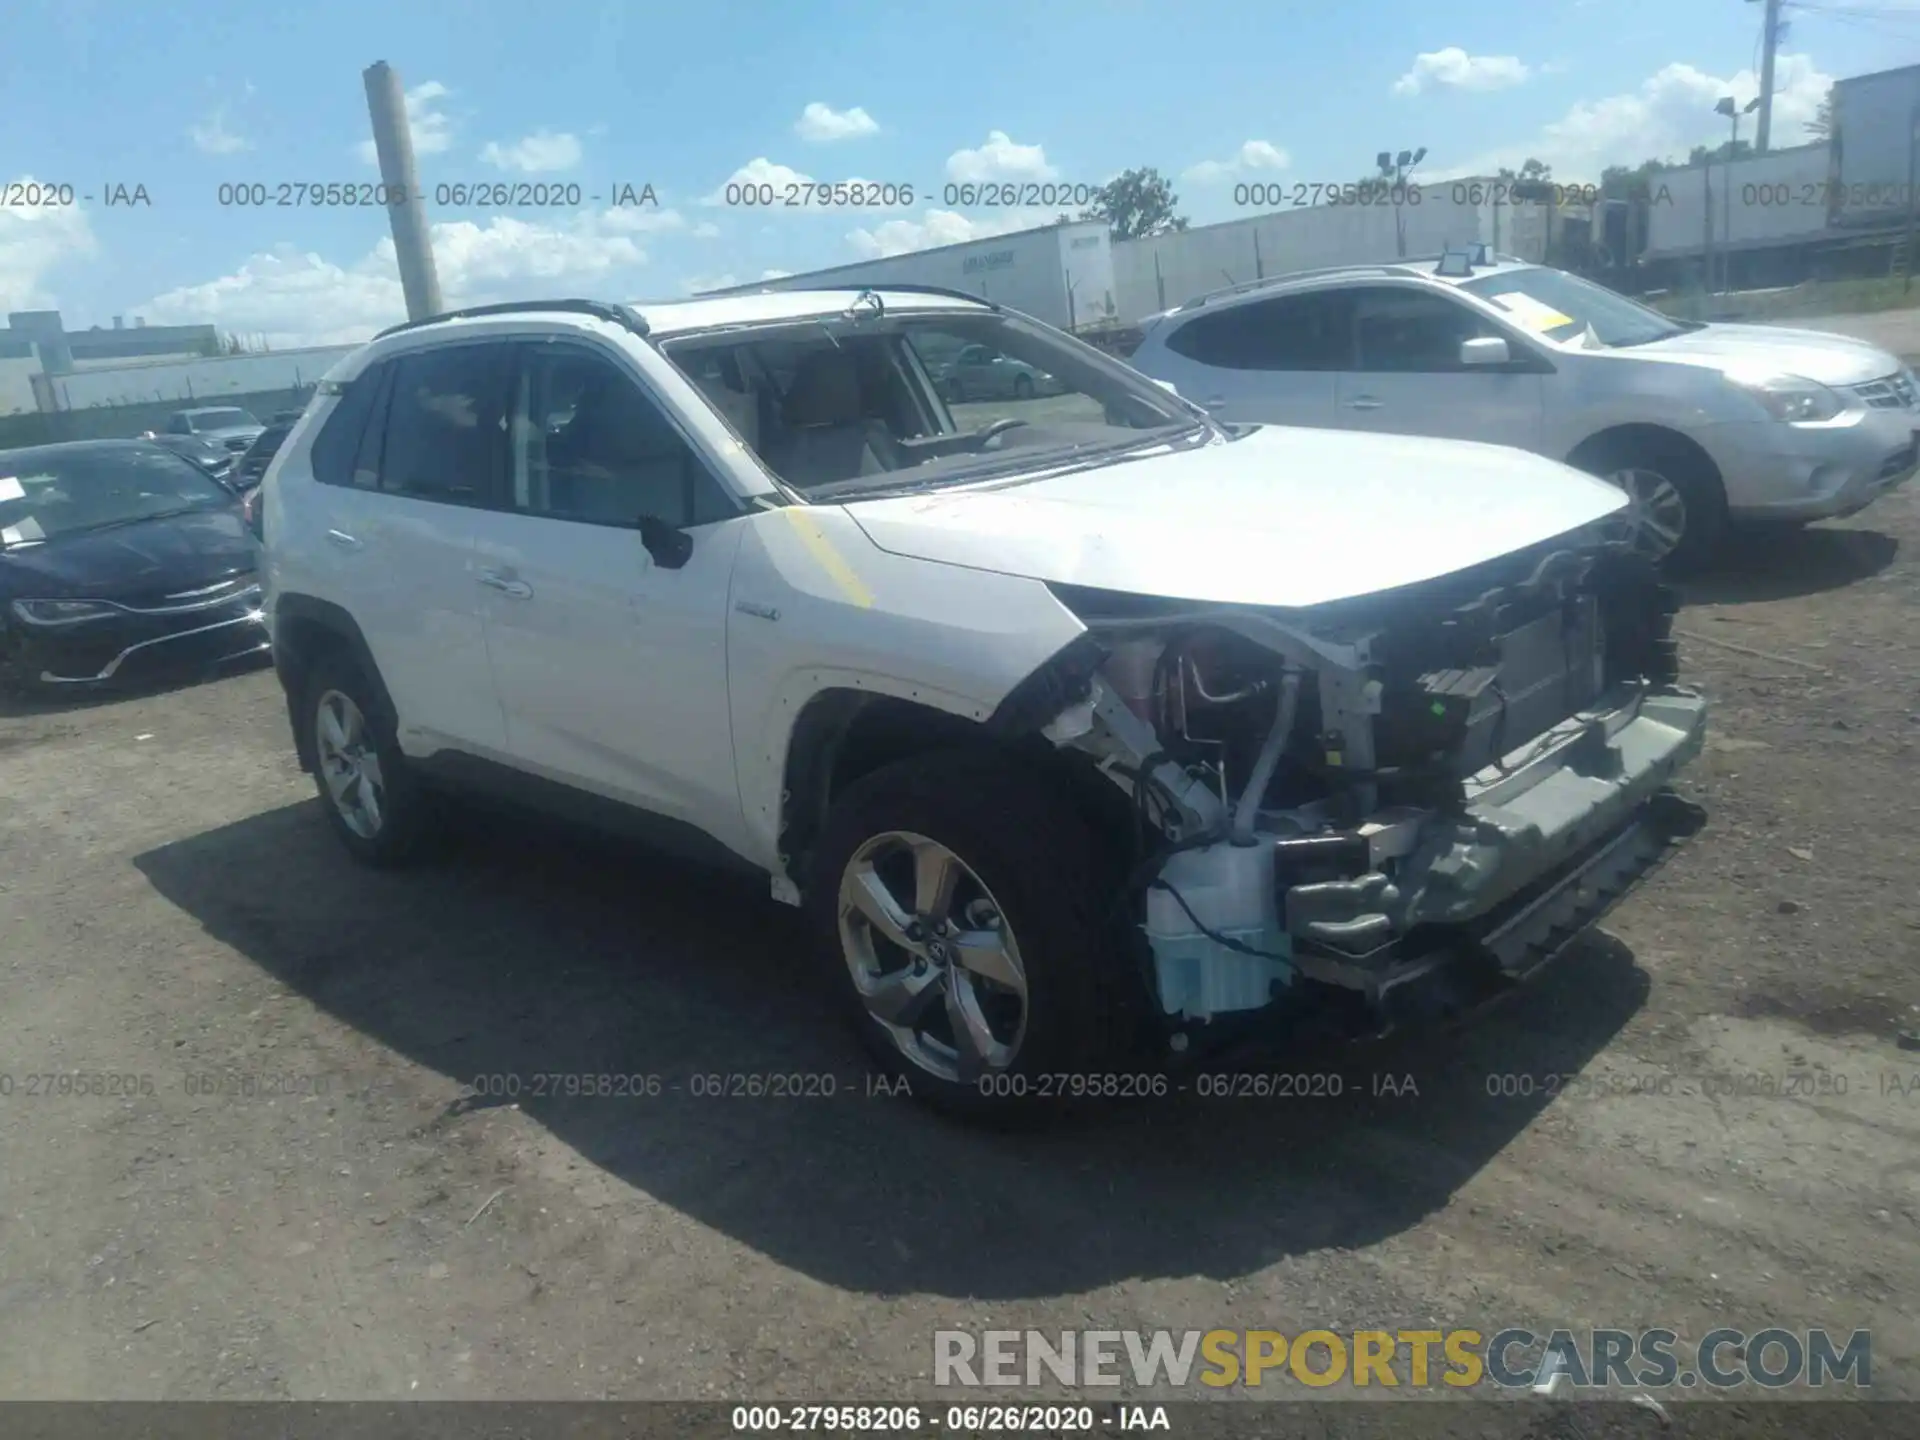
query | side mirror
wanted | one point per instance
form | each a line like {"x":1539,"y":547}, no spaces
{"x":669,"y":545}
{"x":1485,"y":350}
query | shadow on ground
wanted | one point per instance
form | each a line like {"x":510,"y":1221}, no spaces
{"x":1785,"y":563}
{"x":533,"y":949}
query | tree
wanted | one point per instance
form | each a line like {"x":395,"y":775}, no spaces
{"x":1531,"y":171}
{"x":1821,"y":126}
{"x":1136,"y":204}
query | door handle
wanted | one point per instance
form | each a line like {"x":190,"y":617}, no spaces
{"x":343,"y":540}
{"x":1365,"y":402}
{"x":516,"y":589}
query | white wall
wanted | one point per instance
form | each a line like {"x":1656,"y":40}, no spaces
{"x":16,"y":385}
{"x":1773,"y":199}
{"x":196,"y":381}
{"x":1022,"y":270}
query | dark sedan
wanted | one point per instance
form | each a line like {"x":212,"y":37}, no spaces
{"x":251,"y":467}
{"x":210,"y":455}
{"x":120,"y":560}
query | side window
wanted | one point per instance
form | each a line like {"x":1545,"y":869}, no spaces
{"x":177,"y":425}
{"x":1289,"y":332}
{"x":590,"y":445}
{"x":339,"y":440}
{"x":1412,"y":331}
{"x":446,"y":420}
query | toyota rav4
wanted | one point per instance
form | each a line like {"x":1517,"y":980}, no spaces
{"x":1077,"y":721}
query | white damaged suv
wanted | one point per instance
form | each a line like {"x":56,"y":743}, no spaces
{"x":1092,"y":734}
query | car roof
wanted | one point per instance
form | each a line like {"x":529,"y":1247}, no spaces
{"x":1423,"y":269}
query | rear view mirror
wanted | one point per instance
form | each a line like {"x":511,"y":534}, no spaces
{"x":667,"y":544}
{"x":1486,"y":350}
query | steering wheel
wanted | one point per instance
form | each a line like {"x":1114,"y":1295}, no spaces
{"x":993,"y":432}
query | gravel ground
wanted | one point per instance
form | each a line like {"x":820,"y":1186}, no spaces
{"x":339,"y":1221}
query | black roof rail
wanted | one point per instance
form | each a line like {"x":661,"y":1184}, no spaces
{"x":600,"y":310}
{"x":904,"y":289}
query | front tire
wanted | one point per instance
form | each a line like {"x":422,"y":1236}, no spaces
{"x":372,"y":798}
{"x":957,"y":902}
{"x":1022,"y":387}
{"x":1676,"y":513}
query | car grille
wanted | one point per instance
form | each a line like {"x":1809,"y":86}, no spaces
{"x":1891,"y":392}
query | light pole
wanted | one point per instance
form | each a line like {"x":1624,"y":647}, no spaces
{"x":1393,"y":170}
{"x":1733,"y":112}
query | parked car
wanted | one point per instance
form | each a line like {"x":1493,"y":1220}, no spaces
{"x":226,"y":425}
{"x":1700,"y":425}
{"x":1114,"y":729}
{"x":210,"y":455}
{"x":980,"y":372}
{"x":120,"y":560}
{"x":253,"y":462}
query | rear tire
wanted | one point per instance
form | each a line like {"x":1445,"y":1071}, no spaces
{"x":373,"y":800}
{"x":1022,"y":387}
{"x":1677,"y":509}
{"x":1011,"y":978}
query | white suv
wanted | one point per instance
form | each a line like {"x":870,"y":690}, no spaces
{"x":1079,"y":723}
{"x":1700,"y":424}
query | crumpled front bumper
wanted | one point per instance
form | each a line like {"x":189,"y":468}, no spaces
{"x":1545,"y":846}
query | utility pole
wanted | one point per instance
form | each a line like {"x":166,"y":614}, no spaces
{"x":406,"y":214}
{"x":1769,"y":43}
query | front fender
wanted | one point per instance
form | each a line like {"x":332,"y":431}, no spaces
{"x":817,"y":607}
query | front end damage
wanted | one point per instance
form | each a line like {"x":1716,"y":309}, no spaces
{"x":1410,"y":799}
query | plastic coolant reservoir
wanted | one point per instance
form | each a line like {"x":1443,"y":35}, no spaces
{"x":1229,"y":889}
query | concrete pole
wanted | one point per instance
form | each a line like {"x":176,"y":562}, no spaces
{"x":1770,"y":42}
{"x":393,"y":142}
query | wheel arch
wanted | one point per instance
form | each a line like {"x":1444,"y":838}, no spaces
{"x":305,"y":630}
{"x":1646,"y":438}
{"x":843,"y":734}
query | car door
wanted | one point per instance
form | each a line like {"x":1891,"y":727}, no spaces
{"x":1264,"y":362}
{"x":397,"y":530}
{"x":1408,"y":378}
{"x":610,"y":662}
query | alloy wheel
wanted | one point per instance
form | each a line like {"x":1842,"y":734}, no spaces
{"x":349,"y":764}
{"x":1655,"y":520}
{"x":932,"y":956}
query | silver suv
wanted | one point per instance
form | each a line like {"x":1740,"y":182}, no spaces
{"x":1701,"y":425}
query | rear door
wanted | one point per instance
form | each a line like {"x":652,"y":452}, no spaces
{"x":399,"y":534}
{"x":1407,"y":377}
{"x":1266,"y":362}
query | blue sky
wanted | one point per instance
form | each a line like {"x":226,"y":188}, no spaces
{"x":186,"y":97}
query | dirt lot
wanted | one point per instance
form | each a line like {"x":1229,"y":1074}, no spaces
{"x":171,"y":906}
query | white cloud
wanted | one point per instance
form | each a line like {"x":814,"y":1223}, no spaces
{"x":211,"y":136}
{"x":759,"y":171}
{"x":534,"y":154}
{"x":706,"y":230}
{"x":940,"y":227}
{"x":639,"y":220}
{"x":823,"y":122}
{"x":1254,"y":156}
{"x":775,"y":274}
{"x":1455,"y":67}
{"x":1000,"y":159}
{"x":432,"y":127}
{"x":1669,"y":114}
{"x":694,"y":284}
{"x":34,"y":241}
{"x":296,"y":297}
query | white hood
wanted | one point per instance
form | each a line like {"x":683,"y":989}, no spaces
{"x":1284,"y":517}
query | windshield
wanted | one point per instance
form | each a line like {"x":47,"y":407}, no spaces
{"x":878,"y":402}
{"x":220,"y":419}
{"x":47,"y":494}
{"x":1560,"y":306}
